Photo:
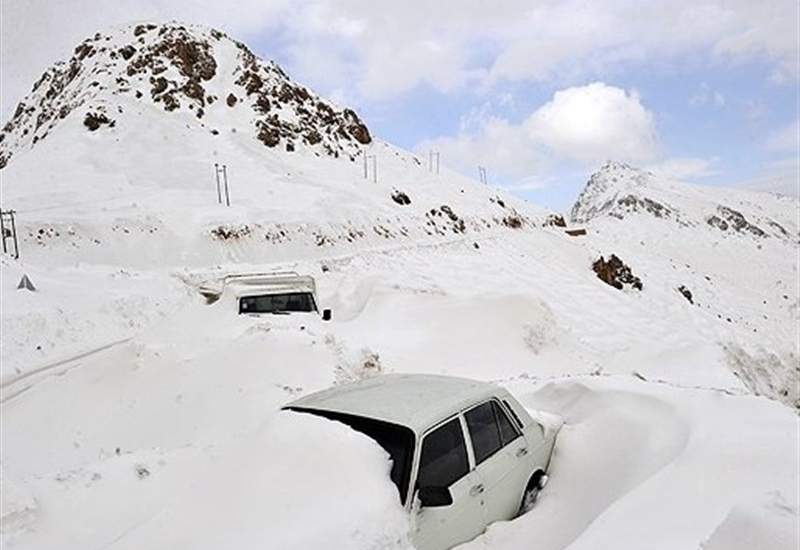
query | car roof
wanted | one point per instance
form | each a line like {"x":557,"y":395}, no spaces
{"x":253,"y":284}
{"x":417,"y":401}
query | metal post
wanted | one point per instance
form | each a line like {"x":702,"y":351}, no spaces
{"x":482,"y":175}
{"x":374,"y":168}
{"x":219,"y":191}
{"x":14,"y":233}
{"x":366,"y":175}
{"x":225,"y":177}
{"x":3,"y":231}
{"x":437,"y":163}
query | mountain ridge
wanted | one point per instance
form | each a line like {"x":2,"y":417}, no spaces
{"x":619,"y":191}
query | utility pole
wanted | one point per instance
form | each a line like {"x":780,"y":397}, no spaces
{"x":433,"y":161}
{"x":9,"y":232}
{"x":222,"y":170}
{"x":374,"y":160}
{"x":482,"y":175}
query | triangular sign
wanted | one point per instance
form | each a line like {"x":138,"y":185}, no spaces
{"x":26,"y":283}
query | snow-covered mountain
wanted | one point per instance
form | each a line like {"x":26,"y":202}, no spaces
{"x":621,"y":191}
{"x":122,"y":139}
{"x":181,"y":69}
{"x":135,"y":414}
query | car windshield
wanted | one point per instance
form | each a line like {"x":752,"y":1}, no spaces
{"x":396,"y":440}
{"x":277,"y":303}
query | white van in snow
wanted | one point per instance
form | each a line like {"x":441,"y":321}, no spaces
{"x":275,"y":293}
{"x":464,"y":453}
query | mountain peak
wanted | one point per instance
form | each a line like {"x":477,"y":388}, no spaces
{"x":180,"y":69}
{"x":604,"y":186}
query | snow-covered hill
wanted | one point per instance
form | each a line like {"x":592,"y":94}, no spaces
{"x":732,"y":254}
{"x":134,"y":414}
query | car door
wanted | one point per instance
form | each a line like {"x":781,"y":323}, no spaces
{"x":501,"y":458}
{"x":444,"y":462}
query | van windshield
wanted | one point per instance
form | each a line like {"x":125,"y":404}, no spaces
{"x":396,"y":440}
{"x":278,"y":303}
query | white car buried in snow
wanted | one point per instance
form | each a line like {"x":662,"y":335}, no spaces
{"x":464,"y":453}
{"x":276,"y":293}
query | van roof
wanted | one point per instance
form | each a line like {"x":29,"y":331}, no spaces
{"x":417,"y":401}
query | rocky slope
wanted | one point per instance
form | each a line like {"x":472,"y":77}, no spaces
{"x":180,"y":68}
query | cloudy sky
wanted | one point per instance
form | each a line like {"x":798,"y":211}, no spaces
{"x":539,"y":92}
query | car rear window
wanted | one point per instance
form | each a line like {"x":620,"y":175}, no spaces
{"x":277,"y":303}
{"x":443,"y":459}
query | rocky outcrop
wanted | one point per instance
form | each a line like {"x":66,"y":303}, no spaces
{"x":614,"y":272}
{"x":729,"y":218}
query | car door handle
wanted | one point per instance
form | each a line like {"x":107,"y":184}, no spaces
{"x":522,"y":451}
{"x":476,"y":490}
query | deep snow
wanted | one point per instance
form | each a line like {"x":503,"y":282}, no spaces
{"x":136,"y":415}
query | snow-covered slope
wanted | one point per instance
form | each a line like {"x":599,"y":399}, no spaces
{"x":136,"y":415}
{"x":732,"y":254}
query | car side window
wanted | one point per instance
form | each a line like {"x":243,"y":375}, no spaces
{"x":508,"y":432}
{"x":483,"y":431}
{"x":443,"y":459}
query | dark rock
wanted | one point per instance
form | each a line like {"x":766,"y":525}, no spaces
{"x":93,"y":121}
{"x":268,"y":136}
{"x":231,"y":100}
{"x":555,"y":220}
{"x":686,"y":293}
{"x":127,"y":52}
{"x":401,"y":198}
{"x":356,"y":128}
{"x":615,"y":273}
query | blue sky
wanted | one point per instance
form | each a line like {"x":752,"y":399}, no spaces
{"x":539,"y":92}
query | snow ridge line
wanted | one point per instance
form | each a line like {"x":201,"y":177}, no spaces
{"x":46,"y":369}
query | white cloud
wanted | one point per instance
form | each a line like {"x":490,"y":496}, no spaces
{"x":593,"y":123}
{"x":685,"y":168}
{"x":505,"y":149}
{"x":585,"y":124}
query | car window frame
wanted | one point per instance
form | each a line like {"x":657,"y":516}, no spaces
{"x":418,"y":452}
{"x":510,"y":418}
{"x":516,"y":428}
{"x":514,"y":416}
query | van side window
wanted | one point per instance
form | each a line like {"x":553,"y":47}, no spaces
{"x":508,"y":432}
{"x":443,"y":459}
{"x":483,"y":431}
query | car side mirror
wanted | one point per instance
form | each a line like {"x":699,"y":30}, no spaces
{"x":434,"y":496}
{"x":326,"y":315}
